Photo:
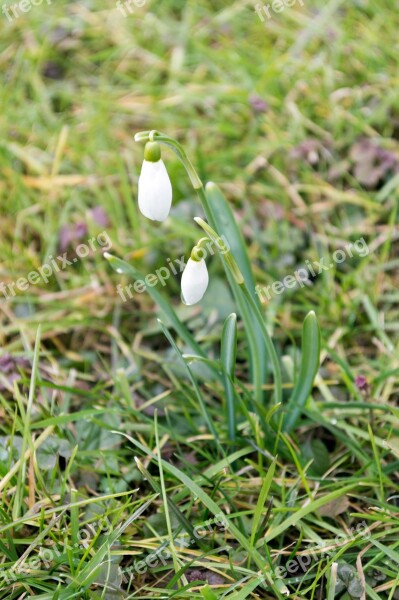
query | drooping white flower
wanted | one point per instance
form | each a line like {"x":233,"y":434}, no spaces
{"x":155,"y":189}
{"x":194,"y":281}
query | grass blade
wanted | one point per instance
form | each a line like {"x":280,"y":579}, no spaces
{"x":261,"y":500}
{"x":208,"y":594}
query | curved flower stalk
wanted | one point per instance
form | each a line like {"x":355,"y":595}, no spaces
{"x":223,"y":249}
{"x":156,"y":136}
{"x":195,"y":278}
{"x":155,"y":189}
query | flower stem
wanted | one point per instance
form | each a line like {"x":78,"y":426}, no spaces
{"x":157,"y":136}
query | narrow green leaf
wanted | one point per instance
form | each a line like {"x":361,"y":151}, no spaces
{"x":184,"y":522}
{"x":27,"y":440}
{"x":221,"y":217}
{"x":176,"y":562}
{"x":307,"y":372}
{"x":387,"y":550}
{"x":371,"y":593}
{"x":332,"y":581}
{"x":246,"y":590}
{"x":228,"y":359}
{"x":307,"y":509}
{"x":225,"y":223}
{"x":89,"y":573}
{"x":207,"y":593}
{"x":225,"y":463}
{"x":259,"y":340}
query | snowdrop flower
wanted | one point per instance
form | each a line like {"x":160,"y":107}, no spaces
{"x":155,"y":189}
{"x":195,"y":278}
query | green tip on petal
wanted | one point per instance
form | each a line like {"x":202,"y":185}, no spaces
{"x":152,"y":152}
{"x":195,"y":252}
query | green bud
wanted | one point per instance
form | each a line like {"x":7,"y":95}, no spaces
{"x":195,"y":252}
{"x":152,"y":152}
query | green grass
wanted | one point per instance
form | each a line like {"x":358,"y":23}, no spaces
{"x":126,"y":429}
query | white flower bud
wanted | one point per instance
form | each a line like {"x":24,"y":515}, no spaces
{"x":155,"y":189}
{"x":194,"y":281}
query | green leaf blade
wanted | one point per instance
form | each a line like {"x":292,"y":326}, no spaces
{"x":309,"y":366}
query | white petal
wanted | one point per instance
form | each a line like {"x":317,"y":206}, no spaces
{"x":194,"y":281}
{"x":155,"y":191}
